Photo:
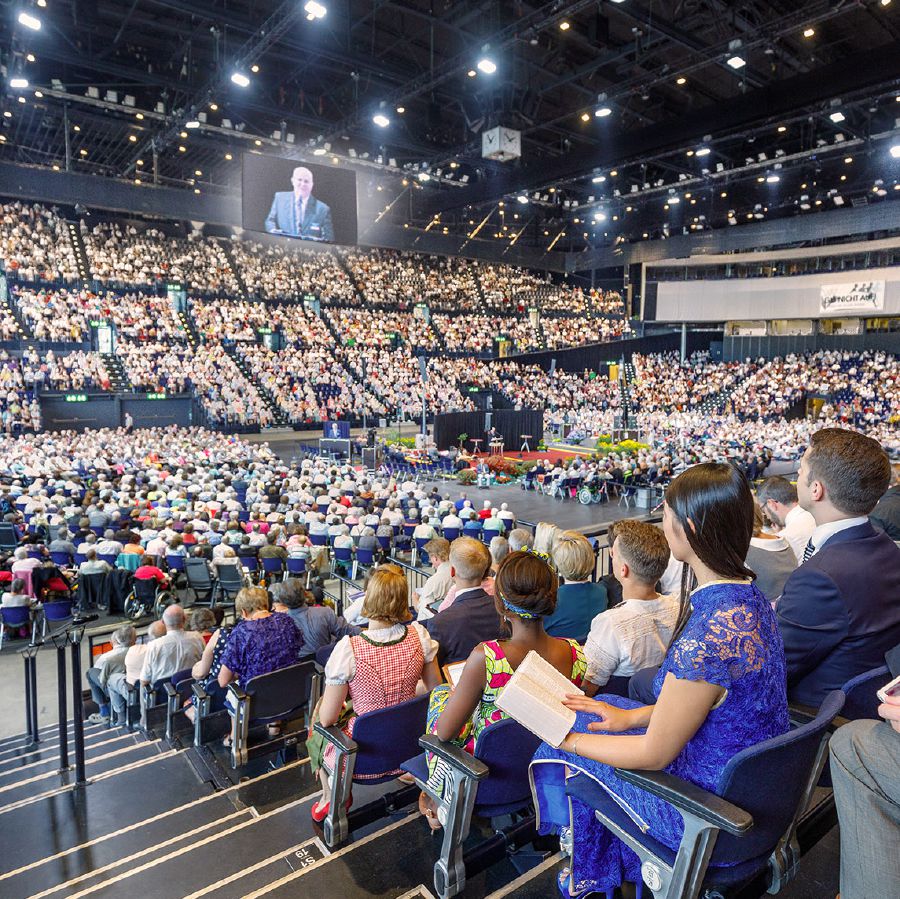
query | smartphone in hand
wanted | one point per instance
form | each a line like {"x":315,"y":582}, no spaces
{"x":891,"y":690}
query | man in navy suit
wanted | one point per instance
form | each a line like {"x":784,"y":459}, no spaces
{"x":473,"y":617}
{"x":840,"y":610}
{"x":297,"y":213}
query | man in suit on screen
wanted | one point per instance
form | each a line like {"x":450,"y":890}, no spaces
{"x":297,"y":213}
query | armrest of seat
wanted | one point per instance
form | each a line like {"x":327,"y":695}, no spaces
{"x":337,"y":738}
{"x":237,"y":693}
{"x":199,"y":691}
{"x":455,"y":757}
{"x":803,"y":714}
{"x":171,"y":692}
{"x":689,"y":798}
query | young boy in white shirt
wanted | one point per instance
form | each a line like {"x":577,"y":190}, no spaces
{"x":634,"y":634}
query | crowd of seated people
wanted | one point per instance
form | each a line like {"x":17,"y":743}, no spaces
{"x":35,"y":244}
{"x":122,"y":256}
{"x":275,"y":272}
{"x":66,"y":315}
{"x":239,"y":320}
{"x":381,"y":328}
{"x":573,"y":330}
{"x":393,"y":278}
{"x":479,"y":333}
{"x":226,"y":395}
{"x":157,"y":367}
{"x":716,"y":661}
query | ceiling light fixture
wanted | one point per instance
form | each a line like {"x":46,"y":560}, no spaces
{"x":29,"y":21}
{"x":401,"y":110}
{"x":603,"y":112}
{"x":193,"y":123}
{"x":837,"y":117}
{"x":314,"y":10}
{"x":522,"y":199}
{"x":736,"y":62}
{"x":319,"y":151}
{"x":681,"y":80}
{"x":487,"y":65}
{"x":381,"y":120}
{"x":471,"y":73}
{"x":598,"y":179}
{"x":424,"y":176}
{"x":809,"y":32}
{"x":704,"y":151}
{"x":895,"y":151}
{"x":773,"y":179}
{"x":585,"y":117}
{"x":18,"y":83}
{"x":564,"y":25}
{"x":240,"y":79}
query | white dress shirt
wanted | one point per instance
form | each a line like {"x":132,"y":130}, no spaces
{"x":825,"y":532}
{"x":798,"y":528}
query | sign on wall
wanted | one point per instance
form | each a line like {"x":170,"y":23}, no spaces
{"x":854,"y":296}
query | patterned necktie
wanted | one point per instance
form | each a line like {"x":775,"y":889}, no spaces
{"x":808,"y":551}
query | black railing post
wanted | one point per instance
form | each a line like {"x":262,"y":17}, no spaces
{"x":75,"y":635}
{"x":63,"y":706}
{"x":27,"y":671}
{"x":31,"y":662}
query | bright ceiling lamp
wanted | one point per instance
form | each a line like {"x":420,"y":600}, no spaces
{"x":703,"y":151}
{"x":240,"y":79}
{"x":895,"y":151}
{"x":487,"y":66}
{"x":381,"y":120}
{"x":18,"y":82}
{"x":314,"y":10}
{"x":29,"y":21}
{"x":736,"y":62}
{"x":603,"y":112}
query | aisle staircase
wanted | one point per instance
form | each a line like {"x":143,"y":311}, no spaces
{"x":81,"y":256}
{"x":238,"y":275}
{"x":190,"y":327}
{"x":9,"y":304}
{"x":118,"y":376}
{"x":280,"y":417}
{"x":342,"y":264}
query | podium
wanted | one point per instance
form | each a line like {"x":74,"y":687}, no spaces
{"x":496,"y":447}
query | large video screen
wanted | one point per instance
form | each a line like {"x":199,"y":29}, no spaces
{"x":298,"y":199}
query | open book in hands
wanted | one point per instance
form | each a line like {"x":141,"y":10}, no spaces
{"x":534,"y":698}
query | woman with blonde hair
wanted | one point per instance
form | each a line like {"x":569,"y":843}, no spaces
{"x":374,"y":670}
{"x":545,"y":537}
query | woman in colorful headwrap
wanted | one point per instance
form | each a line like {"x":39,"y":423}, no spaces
{"x":525,"y":592}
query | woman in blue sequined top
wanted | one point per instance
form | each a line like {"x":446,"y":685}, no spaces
{"x":721,"y":688}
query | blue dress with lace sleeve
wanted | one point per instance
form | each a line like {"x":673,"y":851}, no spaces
{"x":731,"y":640}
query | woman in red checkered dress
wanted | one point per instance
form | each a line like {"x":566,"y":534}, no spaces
{"x":376,"y":669}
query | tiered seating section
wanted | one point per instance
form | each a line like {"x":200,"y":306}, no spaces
{"x":349,"y":331}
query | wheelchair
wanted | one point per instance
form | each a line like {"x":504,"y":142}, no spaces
{"x":593,"y":492}
{"x":147,"y":598}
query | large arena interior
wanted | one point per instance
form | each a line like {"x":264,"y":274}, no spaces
{"x":450,"y":448}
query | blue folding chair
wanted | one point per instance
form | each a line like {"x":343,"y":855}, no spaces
{"x":492,"y":782}
{"x":250,"y":563}
{"x":109,"y":558}
{"x":296,"y":565}
{"x":745,"y":830}
{"x":35,"y":552}
{"x":318,"y":539}
{"x":175,"y":563}
{"x":54,"y":613}
{"x":13,"y":618}
{"x":450,"y":534}
{"x":419,"y":551}
{"x":272,"y":568}
{"x":98,"y":529}
{"x":61,"y":558}
{"x":365,"y":558}
{"x":79,"y":558}
{"x":341,"y":555}
{"x":384,"y":541}
{"x":382,"y":741}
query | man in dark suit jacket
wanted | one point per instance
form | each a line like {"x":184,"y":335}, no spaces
{"x":473,"y":616}
{"x":298,"y":213}
{"x":840,"y":610}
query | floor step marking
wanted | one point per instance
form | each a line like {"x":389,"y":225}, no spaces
{"x":144,"y":823}
{"x":47,"y":774}
{"x":257,"y":894}
{"x":52,"y":742}
{"x":52,"y":758}
{"x":178,"y":838}
{"x":305,"y":860}
{"x":529,"y":875}
{"x":12,"y":806}
{"x":182,"y":850}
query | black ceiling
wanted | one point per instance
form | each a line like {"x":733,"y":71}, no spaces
{"x":98,"y":64}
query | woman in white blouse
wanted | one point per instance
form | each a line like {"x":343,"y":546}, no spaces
{"x":376,"y":669}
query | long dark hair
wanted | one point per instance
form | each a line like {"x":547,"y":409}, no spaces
{"x":716,"y":497}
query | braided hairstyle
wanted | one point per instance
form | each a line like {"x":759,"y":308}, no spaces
{"x":526,"y":581}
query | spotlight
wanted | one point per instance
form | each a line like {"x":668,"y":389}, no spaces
{"x":895,"y":151}
{"x":598,"y":179}
{"x":487,"y":66}
{"x":585,"y":117}
{"x":603,"y":112}
{"x":704,"y":151}
{"x":424,"y":176}
{"x":809,"y":32}
{"x":736,"y":62}
{"x":192,"y":124}
{"x":381,"y":120}
{"x":471,"y":73}
{"x":564,"y":26}
{"x":773,"y":179}
{"x":401,"y":110}
{"x":837,"y":117}
{"x":674,"y":201}
{"x":319,"y":151}
{"x":29,"y":21}
{"x":240,"y":79}
{"x":19,"y":83}
{"x":314,"y":10}
{"x":522,"y":199}
{"x":680,"y":81}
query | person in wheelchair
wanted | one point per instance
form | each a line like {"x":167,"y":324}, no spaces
{"x":722,"y":688}
{"x":150,"y":592}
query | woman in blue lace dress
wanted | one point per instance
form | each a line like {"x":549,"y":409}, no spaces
{"x":721,"y":688}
